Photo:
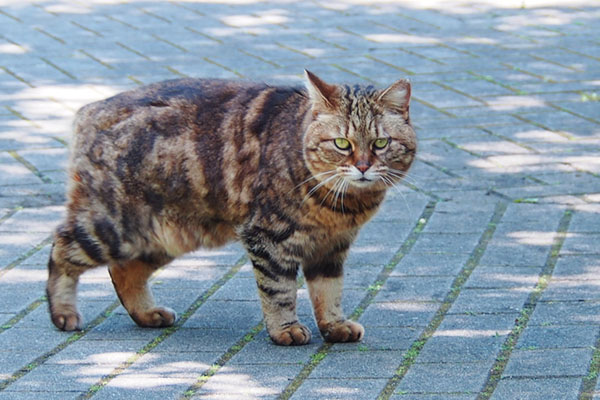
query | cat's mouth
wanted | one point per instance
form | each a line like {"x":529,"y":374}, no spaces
{"x":362,"y":182}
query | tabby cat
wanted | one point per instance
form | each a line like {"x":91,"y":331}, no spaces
{"x":292,"y":173}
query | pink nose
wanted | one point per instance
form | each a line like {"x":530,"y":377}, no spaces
{"x":362,"y":166}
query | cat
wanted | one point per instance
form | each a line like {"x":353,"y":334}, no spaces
{"x":292,"y":173}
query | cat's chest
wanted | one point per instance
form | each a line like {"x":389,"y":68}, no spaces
{"x":333,"y":221}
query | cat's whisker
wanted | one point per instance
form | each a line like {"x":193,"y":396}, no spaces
{"x":404,"y":175}
{"x":339,"y":187}
{"x":344,"y":189}
{"x":400,"y":175}
{"x":388,"y":182}
{"x":315,"y":177}
{"x":410,"y":182}
{"x":331,"y":189}
{"x":319,"y":185}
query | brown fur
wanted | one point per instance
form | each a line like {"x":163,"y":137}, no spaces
{"x":165,"y":169}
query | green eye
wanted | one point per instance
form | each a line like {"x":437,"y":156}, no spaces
{"x":342,"y":144}
{"x":381,"y":143}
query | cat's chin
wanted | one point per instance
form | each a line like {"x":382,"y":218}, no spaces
{"x":362,"y":184}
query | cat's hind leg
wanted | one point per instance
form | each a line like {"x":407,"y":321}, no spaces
{"x":73,"y":252}
{"x":130,"y":279}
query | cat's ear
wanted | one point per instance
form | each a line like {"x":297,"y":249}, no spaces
{"x":323,"y":95}
{"x":396,"y":98}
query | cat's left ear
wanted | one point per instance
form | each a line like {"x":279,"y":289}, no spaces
{"x":323,"y":95}
{"x":396,"y":98}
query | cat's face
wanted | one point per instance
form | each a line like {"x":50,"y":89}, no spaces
{"x":360,"y":138}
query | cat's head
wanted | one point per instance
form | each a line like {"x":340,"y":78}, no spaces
{"x":360,"y":137}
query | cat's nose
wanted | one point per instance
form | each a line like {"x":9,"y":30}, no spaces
{"x":362,"y":166}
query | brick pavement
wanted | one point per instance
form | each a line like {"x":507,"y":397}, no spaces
{"x":477,"y":280}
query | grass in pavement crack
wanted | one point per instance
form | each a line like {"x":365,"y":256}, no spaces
{"x":530,"y":304}
{"x":322,"y":351}
{"x":416,"y":347}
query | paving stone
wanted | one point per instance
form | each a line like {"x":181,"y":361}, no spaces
{"x":503,"y":277}
{"x":461,"y":347}
{"x":398,"y":314}
{"x":226,"y":314}
{"x":552,"y":337}
{"x":342,"y":389}
{"x":548,"y":362}
{"x":444,"y":378}
{"x":248,"y":381}
{"x":581,"y":243}
{"x":453,"y":243}
{"x":430,"y":264}
{"x":577,"y":267}
{"x":433,"y":396}
{"x":537,"y":389}
{"x":358,"y":364}
{"x":408,"y":288}
{"x":489,"y":301}
{"x":561,"y":313}
{"x":572,"y":290}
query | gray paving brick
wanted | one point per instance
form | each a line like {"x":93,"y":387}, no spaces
{"x":444,"y":378}
{"x":432,"y":396}
{"x":489,"y":301}
{"x":548,"y":362}
{"x":552,"y":337}
{"x":503,"y":277}
{"x":399,"y":314}
{"x":577,"y":267}
{"x":408,"y":288}
{"x":342,"y":389}
{"x":572,"y":290}
{"x":462,"y":347}
{"x":430,"y":264}
{"x":537,"y":389}
{"x":453,"y":243}
{"x":581,"y":243}
{"x":248,"y":381}
{"x":236,"y":314}
{"x":560,"y":313}
{"x":358,"y":364}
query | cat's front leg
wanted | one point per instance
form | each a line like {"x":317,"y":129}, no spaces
{"x":325,"y":280}
{"x":276,"y":271}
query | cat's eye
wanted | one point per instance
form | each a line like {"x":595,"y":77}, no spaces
{"x":381,"y":143}
{"x":342,"y":144}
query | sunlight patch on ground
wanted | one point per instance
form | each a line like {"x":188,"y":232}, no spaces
{"x":509,"y":103}
{"x":399,"y":38}
{"x":19,"y":276}
{"x":533,"y":238}
{"x":268,"y":18}
{"x":470,"y":333}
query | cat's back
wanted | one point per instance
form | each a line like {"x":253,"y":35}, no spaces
{"x":181,"y":97}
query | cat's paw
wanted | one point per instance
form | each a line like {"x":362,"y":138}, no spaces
{"x":67,"y":320}
{"x":292,"y":335}
{"x":343,"y":331}
{"x":157,"y":317}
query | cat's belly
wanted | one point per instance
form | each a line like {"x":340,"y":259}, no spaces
{"x":176,"y":239}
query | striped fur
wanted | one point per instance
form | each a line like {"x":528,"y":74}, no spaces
{"x":162,"y":170}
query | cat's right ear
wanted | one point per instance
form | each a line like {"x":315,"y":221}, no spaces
{"x":323,"y":95}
